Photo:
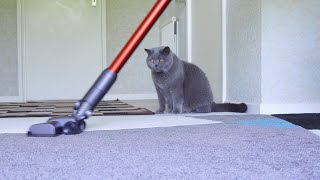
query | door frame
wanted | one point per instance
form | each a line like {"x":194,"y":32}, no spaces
{"x":224,"y":49}
{"x":22,"y":71}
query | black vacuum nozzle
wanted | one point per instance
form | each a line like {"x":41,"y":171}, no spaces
{"x":83,"y":109}
{"x":57,"y":126}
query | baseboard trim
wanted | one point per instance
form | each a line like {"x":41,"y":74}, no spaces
{"x":283,"y":108}
{"x":289,"y":108}
{"x":9,"y":99}
{"x":130,"y":96}
{"x":253,"y":108}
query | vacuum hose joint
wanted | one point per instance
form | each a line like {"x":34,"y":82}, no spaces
{"x":85,"y":107}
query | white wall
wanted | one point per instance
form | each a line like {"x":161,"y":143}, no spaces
{"x":290,"y":51}
{"x":8,"y":48}
{"x":273,"y":55}
{"x":243,"y":51}
{"x":207,"y":41}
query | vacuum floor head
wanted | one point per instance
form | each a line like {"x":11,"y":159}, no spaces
{"x":57,"y":126}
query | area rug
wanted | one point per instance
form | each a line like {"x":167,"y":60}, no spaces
{"x":239,"y":147}
{"x":65,"y":108}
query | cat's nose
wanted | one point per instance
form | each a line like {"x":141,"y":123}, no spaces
{"x":156,"y":65}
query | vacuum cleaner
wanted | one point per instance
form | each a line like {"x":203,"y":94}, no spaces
{"x":83,"y":109}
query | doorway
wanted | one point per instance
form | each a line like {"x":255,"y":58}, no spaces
{"x":67,"y":43}
{"x":63,"y":47}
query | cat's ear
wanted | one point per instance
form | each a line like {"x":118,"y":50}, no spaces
{"x":148,"y":51}
{"x":166,"y":51}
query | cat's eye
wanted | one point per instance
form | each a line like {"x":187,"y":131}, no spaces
{"x":161,"y":60}
{"x":152,"y":60}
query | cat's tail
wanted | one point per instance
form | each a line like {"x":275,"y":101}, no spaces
{"x":229,"y":107}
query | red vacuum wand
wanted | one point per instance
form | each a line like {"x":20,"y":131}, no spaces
{"x":138,"y":36}
{"x":75,"y":124}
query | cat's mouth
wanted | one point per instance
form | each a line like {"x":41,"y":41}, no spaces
{"x":157,"y":70}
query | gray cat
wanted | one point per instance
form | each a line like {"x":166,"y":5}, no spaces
{"x":183,"y":86}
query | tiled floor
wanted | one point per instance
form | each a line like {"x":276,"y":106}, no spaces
{"x":96,"y":123}
{"x":21,"y":125}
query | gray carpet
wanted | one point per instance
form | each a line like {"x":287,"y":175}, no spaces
{"x":230,"y":150}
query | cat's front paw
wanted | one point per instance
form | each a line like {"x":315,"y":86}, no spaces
{"x":160,"y":111}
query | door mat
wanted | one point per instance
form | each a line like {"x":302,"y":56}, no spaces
{"x":65,"y":108}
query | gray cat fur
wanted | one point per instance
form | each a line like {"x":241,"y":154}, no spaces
{"x":182,"y":86}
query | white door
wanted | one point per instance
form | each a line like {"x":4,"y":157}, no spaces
{"x":63,"y":48}
{"x":169,"y":36}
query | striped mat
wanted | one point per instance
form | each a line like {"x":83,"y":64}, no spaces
{"x":65,"y":108}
